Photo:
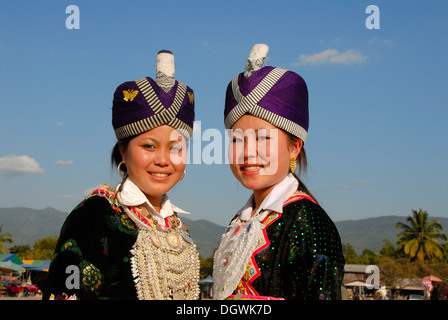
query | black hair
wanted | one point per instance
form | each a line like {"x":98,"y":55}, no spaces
{"x":116,"y":158}
{"x":302,"y":165}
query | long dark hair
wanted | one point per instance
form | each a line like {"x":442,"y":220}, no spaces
{"x":302,"y":165}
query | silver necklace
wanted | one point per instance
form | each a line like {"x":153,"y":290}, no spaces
{"x":233,"y":254}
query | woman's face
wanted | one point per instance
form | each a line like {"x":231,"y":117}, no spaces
{"x":155,"y":161}
{"x":259,"y":153}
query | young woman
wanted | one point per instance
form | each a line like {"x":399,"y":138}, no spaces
{"x":281,"y":244}
{"x":128,"y":242}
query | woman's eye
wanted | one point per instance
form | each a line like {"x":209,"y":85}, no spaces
{"x":176,"y":149}
{"x":236,"y":139}
{"x":149,"y":146}
{"x":263,"y":138}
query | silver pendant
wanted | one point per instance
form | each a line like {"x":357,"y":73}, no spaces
{"x":187,"y":237}
{"x":172,"y":240}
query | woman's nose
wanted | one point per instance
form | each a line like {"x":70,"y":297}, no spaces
{"x":162,"y":158}
{"x":250,"y":150}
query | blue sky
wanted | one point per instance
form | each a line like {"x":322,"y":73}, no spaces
{"x":378,"y":99}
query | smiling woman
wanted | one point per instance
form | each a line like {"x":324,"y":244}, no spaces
{"x":281,"y":244}
{"x":128,"y":242}
{"x":148,"y":161}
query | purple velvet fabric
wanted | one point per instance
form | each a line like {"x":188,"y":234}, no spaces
{"x":288,"y":98}
{"x":127,"y":112}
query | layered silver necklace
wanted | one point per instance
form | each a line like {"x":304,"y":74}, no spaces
{"x":164,"y":263}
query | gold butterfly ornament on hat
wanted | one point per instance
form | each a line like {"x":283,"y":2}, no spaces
{"x":190,"y":96}
{"x":129,"y":95}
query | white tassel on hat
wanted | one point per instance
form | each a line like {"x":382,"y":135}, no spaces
{"x":165,"y":75}
{"x":256,"y":59}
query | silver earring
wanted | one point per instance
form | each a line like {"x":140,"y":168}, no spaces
{"x":119,"y":171}
{"x":183,"y":176}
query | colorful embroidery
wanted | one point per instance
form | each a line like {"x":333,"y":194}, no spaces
{"x":108,"y":193}
{"x":91,"y":275}
{"x":121,"y":222}
{"x":298,"y":195}
{"x":94,"y":267}
{"x":63,"y":296}
{"x":252,"y":269}
{"x":141,"y":213}
{"x":92,"y":278}
{"x":118,"y":221}
{"x":237,"y":229}
{"x":172,"y":222}
{"x":71,"y":245}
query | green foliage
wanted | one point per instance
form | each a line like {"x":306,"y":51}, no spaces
{"x":389,"y":249}
{"x":403,"y":268}
{"x":417,"y":255}
{"x":206,"y":265}
{"x":21,"y":251}
{"x":367,"y":257}
{"x":349,"y":253}
{"x":418,"y":240}
{"x":43,"y":249}
{"x":4,"y":238}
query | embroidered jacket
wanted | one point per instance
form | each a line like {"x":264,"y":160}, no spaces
{"x":92,"y":256}
{"x":299,"y":257}
{"x":289,"y":248}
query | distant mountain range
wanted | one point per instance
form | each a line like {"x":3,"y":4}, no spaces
{"x":370,"y":233}
{"x":29,"y":225}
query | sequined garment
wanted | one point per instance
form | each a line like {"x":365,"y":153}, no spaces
{"x":97,"y":255}
{"x":299,"y":255}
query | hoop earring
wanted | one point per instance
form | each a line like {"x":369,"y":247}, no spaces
{"x":119,"y":171}
{"x":292,"y":164}
{"x":184,"y":175}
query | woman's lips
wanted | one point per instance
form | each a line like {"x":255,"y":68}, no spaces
{"x":250,"y":169}
{"x":159,"y":175}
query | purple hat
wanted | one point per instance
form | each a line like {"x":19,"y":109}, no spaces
{"x":275,"y":95}
{"x":142,"y":105}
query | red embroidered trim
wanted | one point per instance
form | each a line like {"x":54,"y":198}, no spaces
{"x":298,"y":195}
{"x":252,"y":270}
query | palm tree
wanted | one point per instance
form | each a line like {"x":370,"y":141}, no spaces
{"x":418,"y":240}
{"x":4,"y":238}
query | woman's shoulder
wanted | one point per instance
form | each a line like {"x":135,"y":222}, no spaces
{"x":102,"y":196}
{"x":94,"y":206}
{"x":297,"y":196}
{"x":105,"y":192}
{"x":100,"y":210}
{"x":312,"y":225}
{"x":304,"y":209}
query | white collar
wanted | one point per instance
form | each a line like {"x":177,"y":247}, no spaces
{"x":131,"y":195}
{"x":273,"y":201}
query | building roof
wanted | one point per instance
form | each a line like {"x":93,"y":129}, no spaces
{"x":355,"y":268}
